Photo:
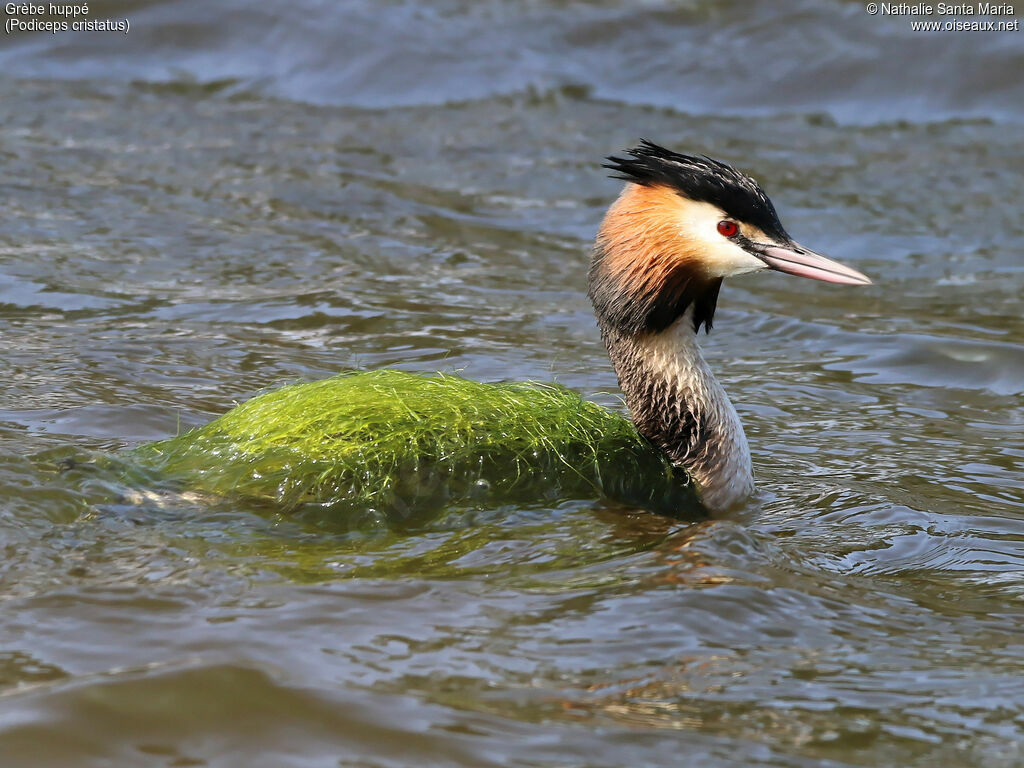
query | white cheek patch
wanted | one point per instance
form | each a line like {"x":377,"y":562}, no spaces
{"x":720,"y":256}
{"x":732,"y":260}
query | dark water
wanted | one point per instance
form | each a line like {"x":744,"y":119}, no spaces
{"x":235,"y":196}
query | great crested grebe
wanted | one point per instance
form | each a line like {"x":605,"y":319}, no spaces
{"x":387,"y":440}
{"x":681,"y":226}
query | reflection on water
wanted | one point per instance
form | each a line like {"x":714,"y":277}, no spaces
{"x":185,"y":229}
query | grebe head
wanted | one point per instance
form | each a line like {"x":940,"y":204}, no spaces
{"x":682,"y":225}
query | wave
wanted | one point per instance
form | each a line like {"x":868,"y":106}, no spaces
{"x":703,"y":57}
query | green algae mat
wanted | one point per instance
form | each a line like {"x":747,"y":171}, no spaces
{"x":403,"y":443}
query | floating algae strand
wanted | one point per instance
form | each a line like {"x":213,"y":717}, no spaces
{"x":400,"y":442}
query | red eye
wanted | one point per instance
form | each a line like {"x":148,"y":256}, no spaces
{"x":727,"y":228}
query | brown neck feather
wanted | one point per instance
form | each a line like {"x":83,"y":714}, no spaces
{"x":643,"y":275}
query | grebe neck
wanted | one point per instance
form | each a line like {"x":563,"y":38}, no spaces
{"x":677,"y":403}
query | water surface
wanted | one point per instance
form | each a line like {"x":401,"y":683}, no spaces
{"x":233,"y":198}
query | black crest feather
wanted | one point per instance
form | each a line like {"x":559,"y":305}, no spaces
{"x":701,"y":179}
